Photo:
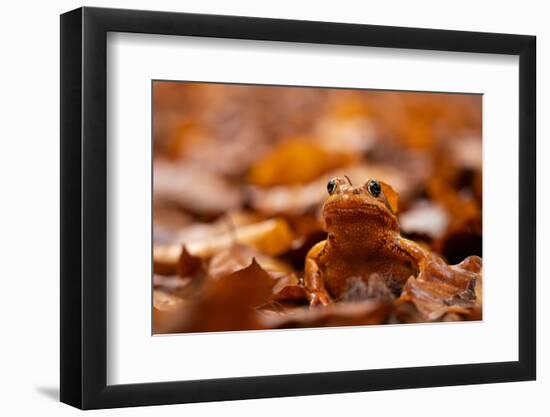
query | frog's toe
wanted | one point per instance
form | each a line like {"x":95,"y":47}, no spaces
{"x":319,"y":299}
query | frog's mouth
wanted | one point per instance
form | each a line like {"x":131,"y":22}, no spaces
{"x":354,"y":209}
{"x":352,"y":213}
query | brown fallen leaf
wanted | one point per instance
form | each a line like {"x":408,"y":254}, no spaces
{"x":338,"y":314}
{"x":166,"y":309}
{"x":239,"y":256}
{"x":222,"y":225}
{"x":271,"y":237}
{"x":165,"y":259}
{"x":347,"y":128}
{"x":424,"y":218}
{"x":176,"y":260}
{"x":194,"y":188}
{"x":293,"y":293}
{"x":229,"y":302}
{"x":441,"y":289}
{"x":167,"y":220}
{"x":170,"y":283}
{"x":296,"y":161}
{"x":288,"y":288}
{"x":164,"y":301}
{"x":190,"y":266}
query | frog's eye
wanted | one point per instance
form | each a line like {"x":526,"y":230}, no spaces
{"x":331,"y":186}
{"x":374,"y":188}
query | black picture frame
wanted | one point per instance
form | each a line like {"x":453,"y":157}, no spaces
{"x":84,"y":209}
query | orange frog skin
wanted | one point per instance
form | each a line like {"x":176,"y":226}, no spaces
{"x":364,"y":244}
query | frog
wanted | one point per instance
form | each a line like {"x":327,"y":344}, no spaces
{"x":364,"y":246}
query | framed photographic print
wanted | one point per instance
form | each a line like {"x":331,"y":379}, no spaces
{"x":257,"y":208}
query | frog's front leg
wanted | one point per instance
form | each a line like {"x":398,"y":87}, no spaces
{"x":413,"y":251}
{"x":313,"y":280}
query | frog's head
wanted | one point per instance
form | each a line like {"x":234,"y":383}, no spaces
{"x":371,"y":206}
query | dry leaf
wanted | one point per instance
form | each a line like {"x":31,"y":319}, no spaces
{"x":424,"y":218}
{"x":338,"y":314}
{"x":176,"y":260}
{"x":194,"y":189}
{"x":166,"y":310}
{"x":239,"y":256}
{"x":295,"y":161}
{"x":229,"y":302}
{"x":440,"y":289}
{"x":271,"y":237}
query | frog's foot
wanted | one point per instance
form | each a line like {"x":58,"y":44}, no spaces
{"x":319,"y":298}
